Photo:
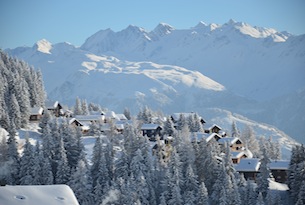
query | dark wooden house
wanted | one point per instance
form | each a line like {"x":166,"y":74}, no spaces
{"x":54,"y":108}
{"x":248,"y":167}
{"x":151,"y":131}
{"x":279,"y":170}
{"x":36,"y":114}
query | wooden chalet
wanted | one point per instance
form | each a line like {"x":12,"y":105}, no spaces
{"x":36,"y":114}
{"x":279,"y":170}
{"x":151,"y":131}
{"x":213,"y":129}
{"x":237,"y":156}
{"x":54,"y":108}
{"x":248,"y":167}
{"x":235,"y":143}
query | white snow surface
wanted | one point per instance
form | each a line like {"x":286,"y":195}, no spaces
{"x":37,"y":195}
{"x":44,"y":46}
{"x":229,"y":66}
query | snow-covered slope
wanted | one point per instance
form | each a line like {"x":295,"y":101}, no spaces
{"x":225,"y":118}
{"x":70,"y":72}
{"x":250,"y":56}
{"x":37,"y":195}
{"x":247,"y":62}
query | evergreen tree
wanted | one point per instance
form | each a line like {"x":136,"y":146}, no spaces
{"x":27,"y":164}
{"x":78,"y":107}
{"x":203,"y":198}
{"x":80,"y":185}
{"x":235,"y":131}
{"x":13,"y":156}
{"x":248,"y":137}
{"x":84,"y":106}
{"x":264,"y":173}
{"x":301,"y":195}
{"x":127,"y":113}
{"x":182,"y":122}
{"x":62,"y":166}
{"x":168,"y":128}
{"x":14,"y":111}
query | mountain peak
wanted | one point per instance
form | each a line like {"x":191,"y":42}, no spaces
{"x":43,"y":46}
{"x":163,"y":29}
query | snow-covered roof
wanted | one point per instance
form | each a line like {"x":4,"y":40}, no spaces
{"x":88,"y":117}
{"x":246,"y":152}
{"x":228,"y":140}
{"x":149,"y":126}
{"x":236,"y":155}
{"x":51,"y":104}
{"x":37,"y":195}
{"x":279,"y":164}
{"x":214,"y":125}
{"x":248,"y":165}
{"x":121,"y":116}
{"x":202,"y":135}
{"x":36,"y":111}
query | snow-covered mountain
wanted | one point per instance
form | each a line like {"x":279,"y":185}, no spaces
{"x":167,"y":69}
{"x":243,"y":58}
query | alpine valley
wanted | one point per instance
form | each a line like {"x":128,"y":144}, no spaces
{"x":215,"y":70}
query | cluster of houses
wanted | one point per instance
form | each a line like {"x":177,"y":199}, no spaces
{"x":241,"y":157}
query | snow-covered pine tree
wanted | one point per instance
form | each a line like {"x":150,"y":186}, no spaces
{"x":248,"y":137}
{"x":78,"y":107}
{"x":203,"y":196}
{"x":127,"y":113}
{"x":63,"y":171}
{"x":13,"y":156}
{"x":264,"y":173}
{"x":14,"y":111}
{"x":80,"y":185}
{"x":168,"y":127}
{"x":182,"y":122}
{"x":191,"y":187}
{"x":235,"y":131}
{"x":301,"y":195}
{"x":27,"y":164}
{"x":84,"y":106}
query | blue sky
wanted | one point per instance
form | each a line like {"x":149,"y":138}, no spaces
{"x":27,"y":21}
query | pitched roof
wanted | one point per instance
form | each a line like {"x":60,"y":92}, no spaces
{"x":89,"y":117}
{"x":214,"y":125}
{"x":279,"y":164}
{"x":229,"y":140}
{"x":51,"y":104}
{"x":202,"y":135}
{"x":248,"y":165}
{"x":149,"y":126}
{"x":34,"y":195}
{"x":36,"y":111}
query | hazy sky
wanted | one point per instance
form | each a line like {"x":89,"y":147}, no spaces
{"x":23,"y":22}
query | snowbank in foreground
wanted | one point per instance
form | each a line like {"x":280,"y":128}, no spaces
{"x":37,"y":195}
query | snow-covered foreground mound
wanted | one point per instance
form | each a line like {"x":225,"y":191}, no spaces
{"x":37,"y":195}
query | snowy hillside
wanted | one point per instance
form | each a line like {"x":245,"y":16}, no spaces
{"x":111,"y":82}
{"x":225,"y":119}
{"x":167,"y":69}
{"x":251,"y":56}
